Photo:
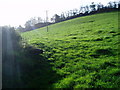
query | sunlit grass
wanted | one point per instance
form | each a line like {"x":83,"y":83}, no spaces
{"x":84,"y":50}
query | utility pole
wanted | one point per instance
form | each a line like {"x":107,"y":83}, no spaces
{"x":47,"y":19}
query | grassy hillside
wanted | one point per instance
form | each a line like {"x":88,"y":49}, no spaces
{"x":82,"y":51}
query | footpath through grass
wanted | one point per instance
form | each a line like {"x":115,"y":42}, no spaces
{"x":83,"y":51}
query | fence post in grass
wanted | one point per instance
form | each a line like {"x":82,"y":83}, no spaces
{"x":47,"y":20}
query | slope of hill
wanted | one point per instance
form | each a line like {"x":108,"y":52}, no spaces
{"x":83,"y":51}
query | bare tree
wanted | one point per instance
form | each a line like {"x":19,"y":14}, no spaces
{"x":68,"y":14}
{"x":99,"y":6}
{"x":119,"y":4}
{"x":56,"y":18}
{"x":114,"y":4}
{"x":20,"y":28}
{"x":62,"y":16}
{"x":92,"y":6}
{"x":75,"y":12}
{"x":87,"y":8}
{"x":39,"y":19}
{"x":84,"y":10}
{"x":110,"y":5}
{"x":71,"y":12}
{"x":81,"y":10}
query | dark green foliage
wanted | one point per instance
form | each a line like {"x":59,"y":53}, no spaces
{"x":112,"y":32}
{"x":104,"y":52}
{"x":98,"y":39}
{"x":11,"y":48}
{"x":74,"y":37}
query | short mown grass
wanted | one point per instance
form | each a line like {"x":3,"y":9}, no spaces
{"x":83,"y":51}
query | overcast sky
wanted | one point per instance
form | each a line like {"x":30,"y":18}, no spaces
{"x":17,"y":12}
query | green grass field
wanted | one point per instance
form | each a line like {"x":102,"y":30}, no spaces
{"x":82,"y":51}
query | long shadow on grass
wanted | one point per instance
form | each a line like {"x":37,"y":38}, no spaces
{"x":10,"y":64}
{"x":37,"y":72}
{"x":24,"y":69}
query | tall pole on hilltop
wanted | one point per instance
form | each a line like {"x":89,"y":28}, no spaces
{"x":47,"y":19}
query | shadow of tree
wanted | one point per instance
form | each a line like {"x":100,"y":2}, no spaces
{"x":27,"y":70}
{"x":38,"y":72}
{"x":10,"y":65}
